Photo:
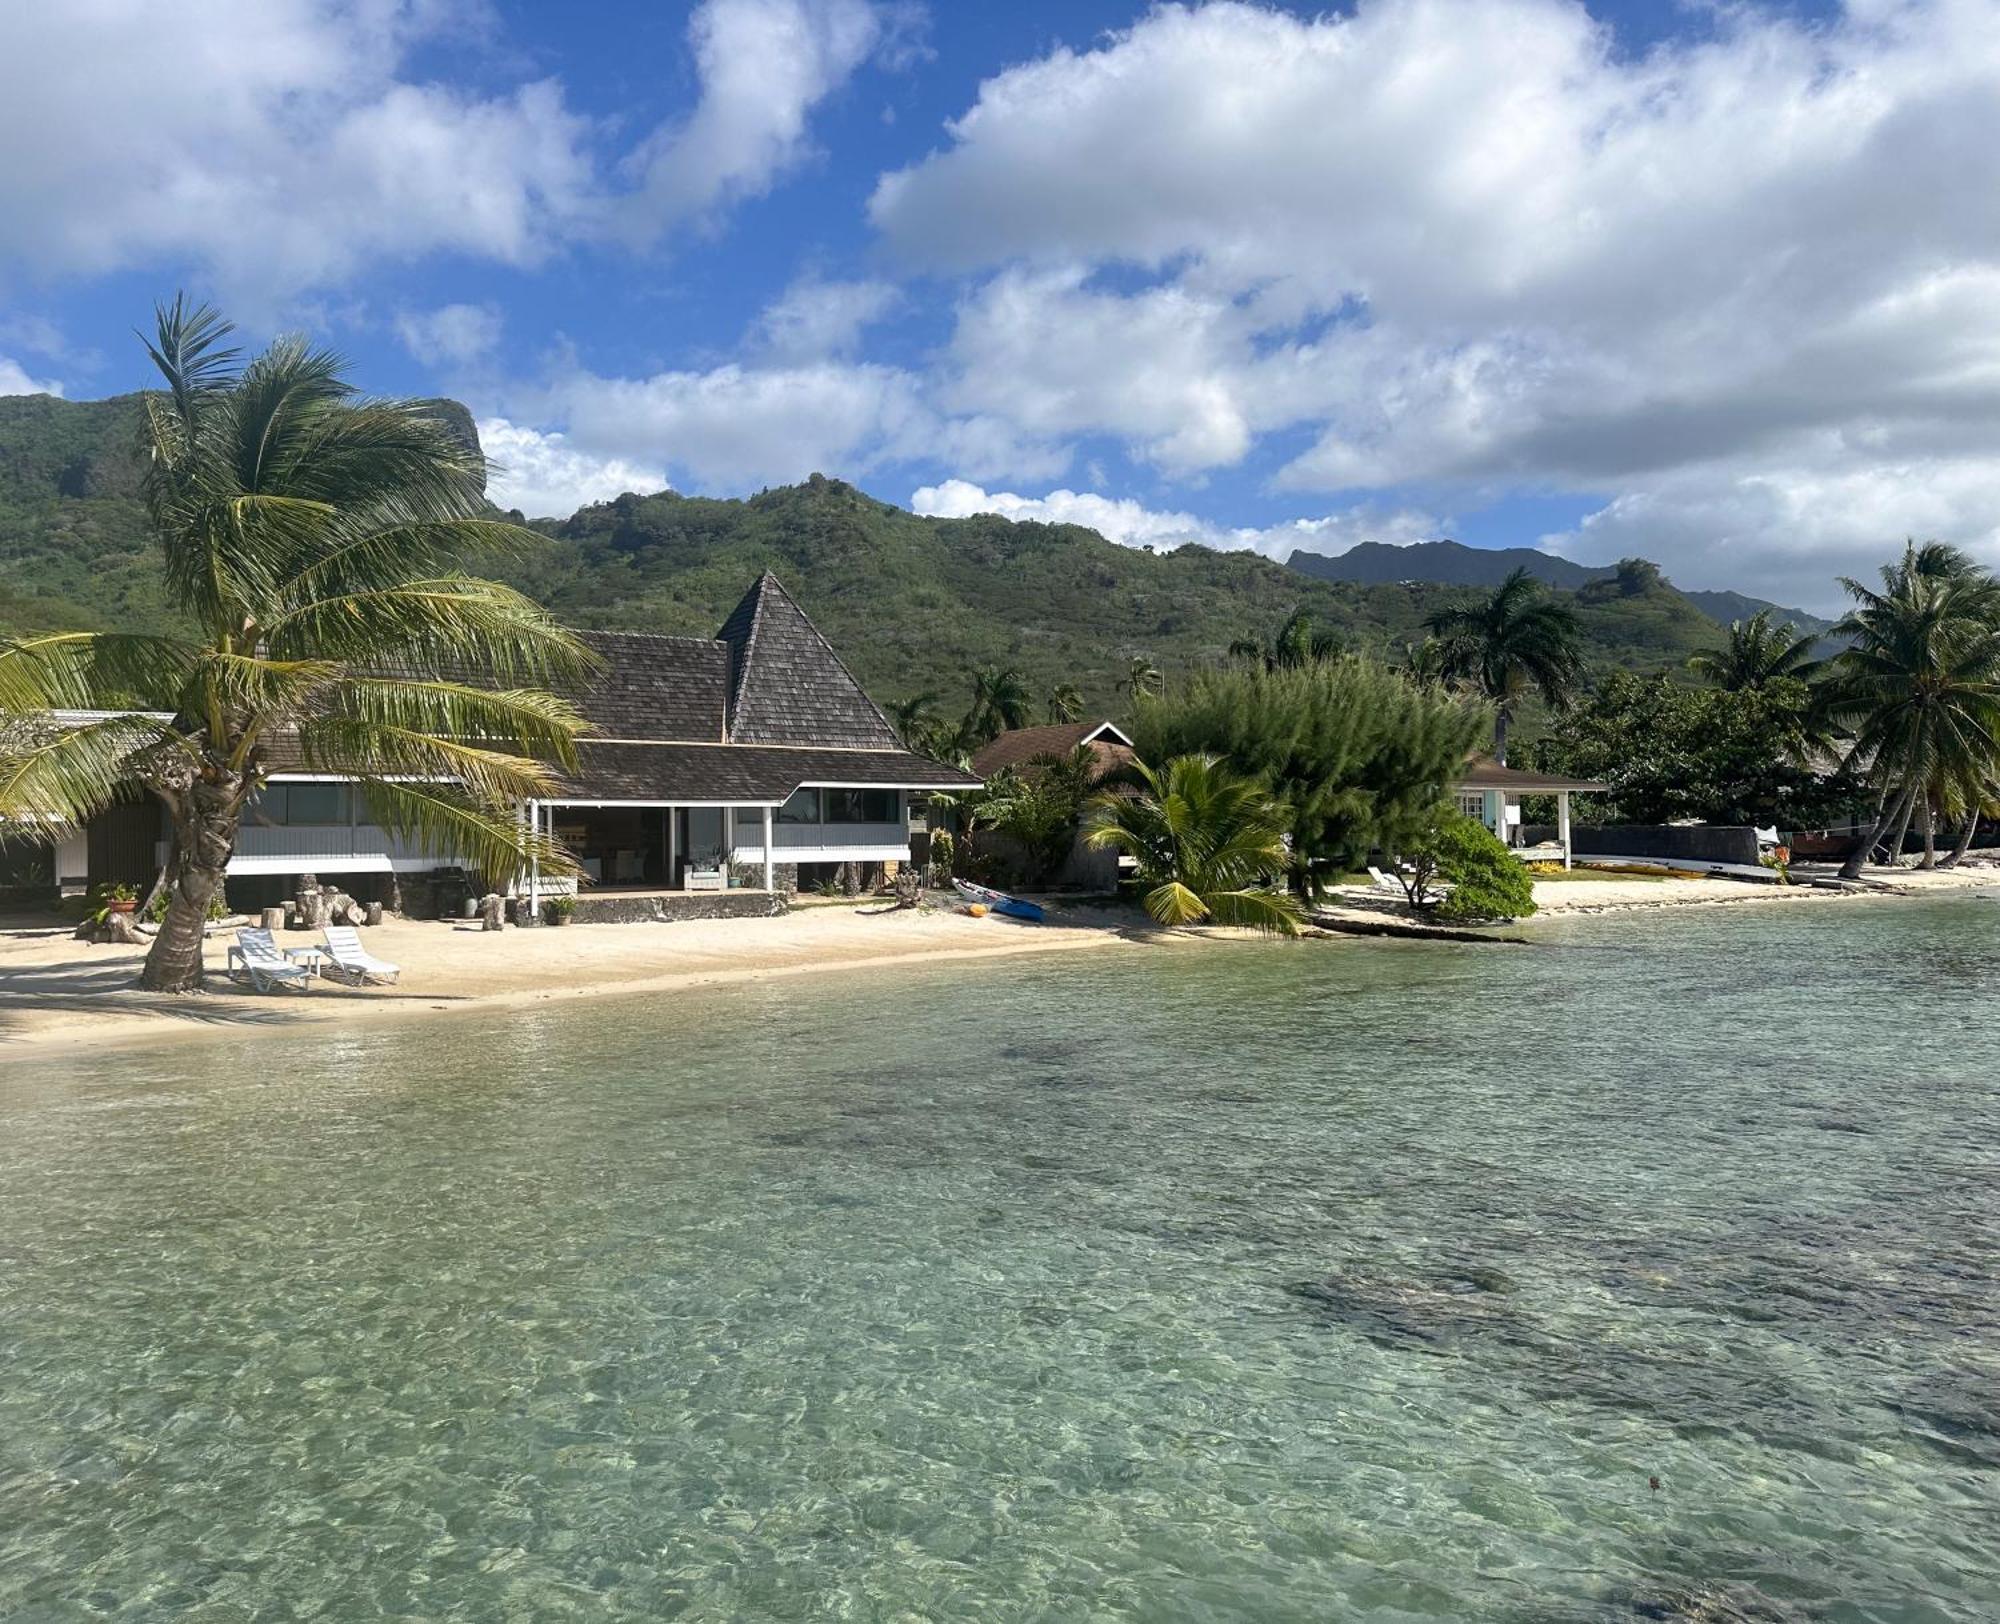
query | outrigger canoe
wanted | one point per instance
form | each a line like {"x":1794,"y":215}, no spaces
{"x":998,"y":901}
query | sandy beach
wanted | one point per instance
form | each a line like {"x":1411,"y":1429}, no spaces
{"x":56,"y":991}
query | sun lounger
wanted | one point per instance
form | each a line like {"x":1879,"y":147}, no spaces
{"x":347,"y":960}
{"x":1384,"y":883}
{"x":257,"y":957}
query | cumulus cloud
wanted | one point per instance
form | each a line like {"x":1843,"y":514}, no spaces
{"x":738,"y":426}
{"x":1131,"y":524}
{"x":451,"y":335}
{"x":1481,"y":247}
{"x":287,"y":144}
{"x":764,"y":66}
{"x":547,"y":478}
{"x":815,"y":319}
{"x":14,"y":380}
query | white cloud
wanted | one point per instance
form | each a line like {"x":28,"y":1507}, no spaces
{"x":285,"y":145}
{"x":1785,"y":533}
{"x":1130,"y":524}
{"x":764,"y":66}
{"x":547,"y":478}
{"x":14,"y":380}
{"x":451,"y":335}
{"x":735,"y":427}
{"x":1478,"y":247}
{"x":813,"y":320}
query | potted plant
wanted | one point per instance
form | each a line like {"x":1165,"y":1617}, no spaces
{"x":117,"y":899}
{"x":558,"y":909}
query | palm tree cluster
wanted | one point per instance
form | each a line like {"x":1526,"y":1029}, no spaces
{"x":1916,"y":696}
{"x":314,"y":544}
{"x":1300,"y":641}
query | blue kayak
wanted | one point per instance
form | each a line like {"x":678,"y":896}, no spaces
{"x":999,"y":901}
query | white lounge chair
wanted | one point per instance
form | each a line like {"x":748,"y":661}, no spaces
{"x":347,"y":960}
{"x":1386,"y":883}
{"x":258,"y":957}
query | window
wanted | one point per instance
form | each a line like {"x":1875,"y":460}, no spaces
{"x":803,"y":807}
{"x":861,"y":806}
{"x":283,"y":806}
{"x":1473,"y":805}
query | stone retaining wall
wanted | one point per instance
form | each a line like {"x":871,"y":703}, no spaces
{"x":613,"y":910}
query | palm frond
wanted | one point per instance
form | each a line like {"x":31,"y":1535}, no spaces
{"x":92,"y":671}
{"x":526,"y":719}
{"x":55,"y":777}
{"x":448,"y":623}
{"x":489,"y":777}
{"x":443,"y":818}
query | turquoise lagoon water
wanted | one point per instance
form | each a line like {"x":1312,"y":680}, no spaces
{"x":1330,"y":1281}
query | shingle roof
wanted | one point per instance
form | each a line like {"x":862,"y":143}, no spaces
{"x":745,"y":773}
{"x":787,"y":684}
{"x":1018,"y":746}
{"x":654,"y":687}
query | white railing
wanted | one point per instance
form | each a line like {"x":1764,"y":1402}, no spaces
{"x":303,"y":848}
{"x":824,"y":842}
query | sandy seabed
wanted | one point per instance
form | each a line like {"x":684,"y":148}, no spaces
{"x":56,"y":992}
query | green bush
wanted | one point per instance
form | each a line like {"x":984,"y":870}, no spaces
{"x":1460,"y":857}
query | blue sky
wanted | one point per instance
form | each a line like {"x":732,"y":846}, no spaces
{"x":1712,"y":284}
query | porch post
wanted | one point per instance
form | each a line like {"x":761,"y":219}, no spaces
{"x":1562,"y":823}
{"x":728,"y":844}
{"x":770,"y":857}
{"x":534,"y":859}
{"x":673,"y":845}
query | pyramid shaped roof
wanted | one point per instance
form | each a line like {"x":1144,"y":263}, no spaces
{"x":787,"y":686}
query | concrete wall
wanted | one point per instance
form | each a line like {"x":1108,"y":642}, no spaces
{"x":1703,"y":842}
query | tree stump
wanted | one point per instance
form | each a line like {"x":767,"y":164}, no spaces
{"x":374,"y":915}
{"x":274,"y":918}
{"x":493,"y":912}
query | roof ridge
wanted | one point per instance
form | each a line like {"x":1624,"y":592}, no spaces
{"x":812,"y":626}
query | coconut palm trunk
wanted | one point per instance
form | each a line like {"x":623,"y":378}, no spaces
{"x":1930,"y":834}
{"x":1898,"y":807}
{"x":1966,"y":834}
{"x":205,"y":818}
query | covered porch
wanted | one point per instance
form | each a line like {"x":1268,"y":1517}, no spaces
{"x":1493,"y":793}
{"x":678,"y":848}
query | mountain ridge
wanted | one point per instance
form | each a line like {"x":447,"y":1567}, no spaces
{"x":1453,"y":563}
{"x":913,"y":602}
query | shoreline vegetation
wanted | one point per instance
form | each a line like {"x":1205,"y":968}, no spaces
{"x":58,"y":993}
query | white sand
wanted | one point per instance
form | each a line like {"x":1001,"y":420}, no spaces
{"x":54,"y":990}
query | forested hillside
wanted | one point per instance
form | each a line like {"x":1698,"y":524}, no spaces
{"x":913,"y":603}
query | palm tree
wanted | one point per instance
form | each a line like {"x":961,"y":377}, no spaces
{"x":1919,"y":689}
{"x":1140,"y":674}
{"x":312,"y":543}
{"x":1299,"y":642}
{"x":1514,"y":640}
{"x":915,"y":718}
{"x":1065,"y":703}
{"x":1000,"y":703}
{"x":1207,"y":842}
{"x":1758,"y":654}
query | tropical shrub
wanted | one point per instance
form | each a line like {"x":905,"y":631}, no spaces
{"x":1357,"y":753}
{"x":1208,"y":843}
{"x":1730,"y":756}
{"x":1460,"y":868}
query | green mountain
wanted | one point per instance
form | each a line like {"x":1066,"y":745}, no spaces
{"x":1452,"y":563}
{"x":913,"y":603}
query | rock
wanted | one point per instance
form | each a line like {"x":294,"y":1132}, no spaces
{"x":493,"y":911}
{"x":374,"y":914}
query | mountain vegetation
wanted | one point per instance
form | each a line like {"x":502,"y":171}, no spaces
{"x":917,"y":605}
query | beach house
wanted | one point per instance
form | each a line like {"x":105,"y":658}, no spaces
{"x":749,"y":761}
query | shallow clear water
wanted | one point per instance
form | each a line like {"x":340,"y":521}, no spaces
{"x":1356,"y":1280}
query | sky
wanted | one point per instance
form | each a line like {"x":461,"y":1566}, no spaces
{"x":1713,"y":283}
